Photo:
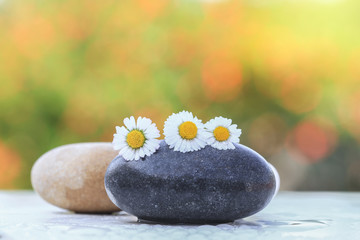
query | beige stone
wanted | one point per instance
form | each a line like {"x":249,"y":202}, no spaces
{"x":72,"y":177}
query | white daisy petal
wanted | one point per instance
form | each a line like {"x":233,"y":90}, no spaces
{"x":216,"y":145}
{"x":139,"y":122}
{"x":119,"y":144}
{"x":149,"y":148}
{"x":119,"y":137}
{"x":124,"y":150}
{"x":147,"y":151}
{"x":118,"y":129}
{"x":141,"y":152}
{"x":218,"y":138}
{"x":211,"y":141}
{"x":196,"y":145}
{"x":228,"y":122}
{"x":152,"y":131}
{"x":234,"y":139}
{"x":146,"y":123}
{"x":201,"y":142}
{"x":142,"y":141}
{"x":233,"y":128}
{"x":122,"y":131}
{"x":126,"y":122}
{"x":127,"y":153}
{"x":137,"y":155}
{"x":171,"y":141}
{"x":188,"y":146}
{"x":188,"y":139}
{"x":157,"y":143}
{"x":130,"y":123}
{"x":131,"y":155}
{"x":177,"y":145}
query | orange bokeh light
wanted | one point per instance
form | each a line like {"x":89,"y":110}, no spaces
{"x":9,"y":166}
{"x":315,"y":139}
{"x":152,"y":9}
{"x":29,"y":44}
{"x":186,"y":45}
{"x":221,"y":77}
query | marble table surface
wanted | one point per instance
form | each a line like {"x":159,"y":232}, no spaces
{"x":291,"y":215}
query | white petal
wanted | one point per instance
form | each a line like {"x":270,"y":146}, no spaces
{"x":224,"y":145}
{"x":130,"y":123}
{"x":233,"y":127}
{"x":153,"y":144}
{"x":195,"y":145}
{"x":234,"y":139}
{"x":139,"y":122}
{"x":202,"y":143}
{"x":119,"y":145}
{"x":124,"y":150}
{"x":146,"y":151}
{"x":121,"y":131}
{"x":149,"y":146}
{"x":137,"y":155}
{"x":186,"y":146}
{"x":152,"y":131}
{"x":227,"y":122}
{"x":216,"y":145}
{"x":174,"y":140}
{"x":157,"y":143}
{"x":119,"y":138}
{"x":117,"y":129}
{"x":178,"y":144}
{"x":127,"y":154}
{"x":146,"y":123}
{"x":210,"y":141}
{"x":141,"y":152}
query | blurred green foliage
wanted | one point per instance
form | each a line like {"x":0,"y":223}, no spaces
{"x":287,"y":72}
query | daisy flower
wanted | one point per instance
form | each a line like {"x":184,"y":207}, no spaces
{"x":184,"y":132}
{"x":136,"y":140}
{"x":222,"y":134}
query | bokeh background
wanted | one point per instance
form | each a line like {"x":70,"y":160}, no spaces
{"x":287,"y":72}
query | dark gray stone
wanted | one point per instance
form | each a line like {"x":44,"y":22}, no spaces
{"x":206,"y":186}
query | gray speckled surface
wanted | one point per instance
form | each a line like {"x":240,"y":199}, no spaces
{"x":291,"y":215}
{"x":205,"y":186}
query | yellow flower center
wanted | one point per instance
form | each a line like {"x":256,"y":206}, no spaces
{"x":221,"y":134}
{"x":135,"y":139}
{"x":188,"y":130}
